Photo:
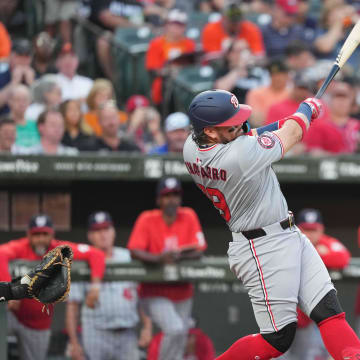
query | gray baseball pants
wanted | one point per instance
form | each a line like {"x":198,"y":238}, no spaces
{"x":173,"y":319}
{"x":280,"y":270}
{"x":33,"y":344}
{"x":110,"y":344}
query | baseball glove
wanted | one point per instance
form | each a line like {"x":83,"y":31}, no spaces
{"x":49,"y":282}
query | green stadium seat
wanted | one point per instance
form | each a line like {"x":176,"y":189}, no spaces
{"x":130,"y":48}
{"x":190,"y":81}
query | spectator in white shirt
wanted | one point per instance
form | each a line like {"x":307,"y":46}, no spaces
{"x":73,"y":86}
{"x":51,"y":128}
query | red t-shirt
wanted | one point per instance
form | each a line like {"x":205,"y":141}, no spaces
{"x":325,"y":135}
{"x":30,"y":312}
{"x":214,"y":37}
{"x":160,"y":51}
{"x":153,"y":235}
{"x":334,"y":255}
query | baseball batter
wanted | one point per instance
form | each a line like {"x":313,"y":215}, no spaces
{"x":275,"y":261}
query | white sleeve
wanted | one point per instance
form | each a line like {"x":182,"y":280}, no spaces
{"x":77,"y":292}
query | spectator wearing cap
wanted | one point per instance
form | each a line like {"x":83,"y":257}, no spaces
{"x":26,"y":320}
{"x":144,"y":124}
{"x":27,"y":133}
{"x":262,"y":98}
{"x":16,"y":71}
{"x":110,"y":15}
{"x":239,"y":73}
{"x":177,"y":129}
{"x":308,"y":343}
{"x":283,"y":28}
{"x":111,"y":138}
{"x":46,"y":94}
{"x":51,"y":129}
{"x":109,"y":329}
{"x":165,"y":48}
{"x":217,"y":36}
{"x":101,"y":92}
{"x":165,"y":236}
{"x":73,"y":86}
{"x":339,"y":132}
{"x":42,"y":61}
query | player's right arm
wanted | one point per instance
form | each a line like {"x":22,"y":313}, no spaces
{"x":10,"y":251}
{"x":291,"y":129}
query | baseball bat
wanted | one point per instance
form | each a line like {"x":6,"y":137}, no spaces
{"x":350,"y":44}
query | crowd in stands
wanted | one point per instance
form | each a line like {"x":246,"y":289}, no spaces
{"x":271,"y":54}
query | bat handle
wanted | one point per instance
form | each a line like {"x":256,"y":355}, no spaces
{"x":333,"y":72}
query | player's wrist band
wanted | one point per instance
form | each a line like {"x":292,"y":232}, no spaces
{"x":300,"y":121}
{"x":271,"y":127}
{"x":305,"y":109}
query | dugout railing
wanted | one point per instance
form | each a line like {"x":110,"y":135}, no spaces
{"x":220,"y":304}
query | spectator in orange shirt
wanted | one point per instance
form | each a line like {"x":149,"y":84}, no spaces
{"x":101,"y":92}
{"x":167,"y":47}
{"x":308,"y":343}
{"x":5,"y":42}
{"x":218,"y":36}
{"x":260,"y":99}
{"x":166,"y":236}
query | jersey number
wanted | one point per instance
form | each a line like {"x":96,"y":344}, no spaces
{"x":218,"y":199}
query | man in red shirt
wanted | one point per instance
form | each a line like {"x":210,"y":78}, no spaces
{"x":308,"y":343}
{"x":165,"y":236}
{"x":339,"y":132}
{"x":217,"y":36}
{"x":25,"y":319}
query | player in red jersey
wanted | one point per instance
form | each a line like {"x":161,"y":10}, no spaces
{"x":165,"y":236}
{"x":25,"y":318}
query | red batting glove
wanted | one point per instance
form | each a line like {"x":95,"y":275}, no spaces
{"x":316,"y":107}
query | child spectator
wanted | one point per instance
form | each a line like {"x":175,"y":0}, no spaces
{"x":46,"y":94}
{"x":101,"y":92}
{"x":26,"y":130}
{"x":77,"y":132}
{"x":167,"y":47}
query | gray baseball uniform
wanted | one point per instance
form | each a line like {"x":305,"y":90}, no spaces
{"x":280,"y":269}
{"x":108,"y":331}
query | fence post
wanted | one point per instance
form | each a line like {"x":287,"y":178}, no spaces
{"x":3,"y":332}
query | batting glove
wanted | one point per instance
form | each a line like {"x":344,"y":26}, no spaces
{"x":315,"y":106}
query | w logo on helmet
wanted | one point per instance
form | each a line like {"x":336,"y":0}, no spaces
{"x":234,"y":101}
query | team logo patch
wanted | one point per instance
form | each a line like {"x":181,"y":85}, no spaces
{"x":266,"y":141}
{"x":234,"y":101}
